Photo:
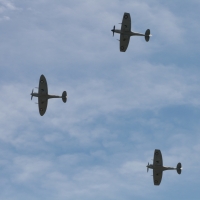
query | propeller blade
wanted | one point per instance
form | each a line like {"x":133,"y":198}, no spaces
{"x":32,"y":94}
{"x":147,"y":168}
{"x":113,"y":30}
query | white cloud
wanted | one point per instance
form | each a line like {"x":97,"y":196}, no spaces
{"x":96,"y":145}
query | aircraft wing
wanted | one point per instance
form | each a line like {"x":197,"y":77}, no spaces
{"x":157,"y":160}
{"x":157,"y":173}
{"x":157,"y":176}
{"x":43,"y":92}
{"x":126,"y":27}
{"x":124,"y":41}
{"x":42,"y":105}
{"x":126,"y":23}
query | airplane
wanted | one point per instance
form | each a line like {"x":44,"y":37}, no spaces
{"x":158,"y":167}
{"x":126,"y":33}
{"x":43,"y":95}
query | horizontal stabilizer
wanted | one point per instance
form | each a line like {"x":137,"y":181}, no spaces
{"x":64,"y":96}
{"x":179,"y":171}
{"x":147,"y":35}
{"x":179,"y":168}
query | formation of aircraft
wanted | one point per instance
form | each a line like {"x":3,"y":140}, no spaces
{"x":158,"y":167}
{"x":43,"y":95}
{"x":125,"y":32}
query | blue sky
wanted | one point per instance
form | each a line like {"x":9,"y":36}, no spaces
{"x":121,"y":106}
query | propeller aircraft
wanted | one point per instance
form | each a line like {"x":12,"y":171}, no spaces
{"x":125,"y":32}
{"x":43,"y":95}
{"x":158,"y":167}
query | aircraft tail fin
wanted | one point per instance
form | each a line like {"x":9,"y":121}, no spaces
{"x":179,"y":168}
{"x":147,"y":35}
{"x":64,"y":96}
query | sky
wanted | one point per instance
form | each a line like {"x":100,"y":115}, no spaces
{"x":120,"y":108}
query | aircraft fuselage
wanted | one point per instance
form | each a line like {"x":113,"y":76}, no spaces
{"x":160,"y":167}
{"x":129,"y":33}
{"x":45,"y":95}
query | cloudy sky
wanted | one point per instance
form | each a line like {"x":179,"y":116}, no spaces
{"x":121,"y":106}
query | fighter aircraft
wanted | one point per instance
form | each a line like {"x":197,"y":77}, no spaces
{"x":43,"y":95}
{"x":158,"y":167}
{"x":126,"y":33}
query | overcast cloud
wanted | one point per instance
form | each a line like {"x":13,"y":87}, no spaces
{"x":121,"y":106}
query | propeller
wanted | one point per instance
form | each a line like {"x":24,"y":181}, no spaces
{"x":113,"y":30}
{"x":32,"y":94}
{"x":147,"y":168}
